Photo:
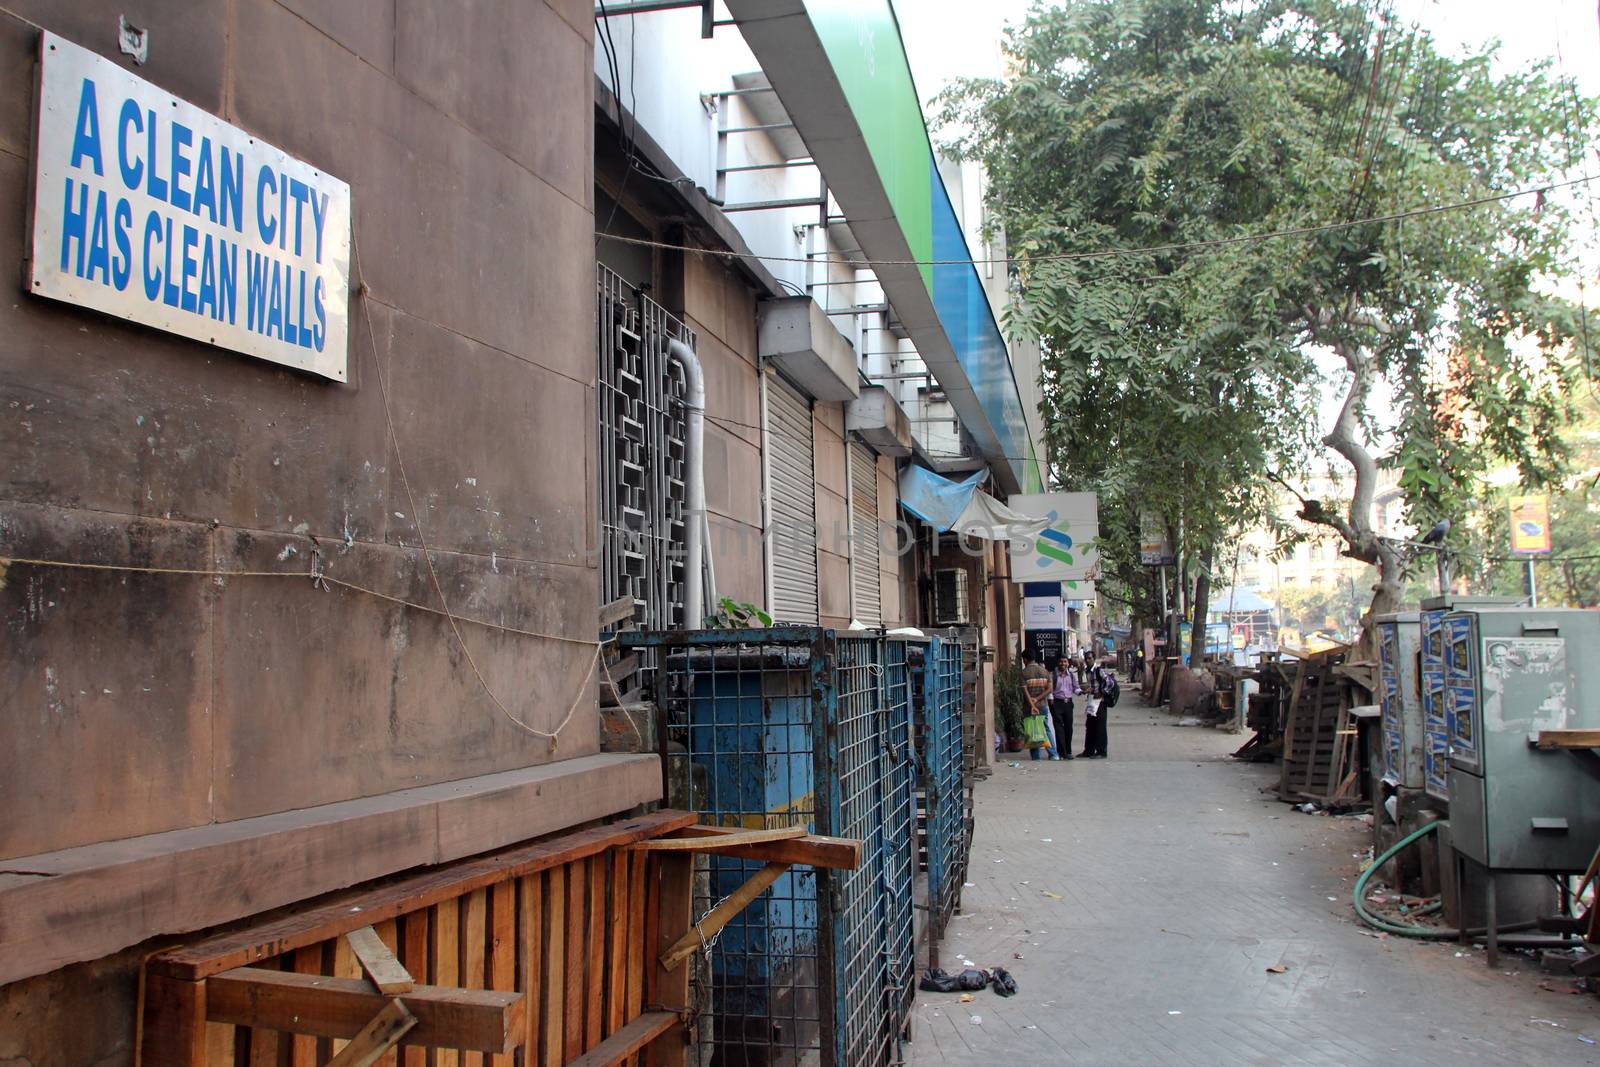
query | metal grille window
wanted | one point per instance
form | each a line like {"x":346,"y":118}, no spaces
{"x":791,"y":491}
{"x":949,"y":596}
{"x":865,"y":579}
{"x":639,"y":402}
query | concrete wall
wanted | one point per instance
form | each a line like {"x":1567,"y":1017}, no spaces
{"x":139,"y":703}
{"x":721,"y":309}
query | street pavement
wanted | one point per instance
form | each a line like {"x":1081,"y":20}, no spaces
{"x":1140,"y":900}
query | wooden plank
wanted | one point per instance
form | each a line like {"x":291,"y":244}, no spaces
{"x":340,"y":961}
{"x":1569,"y":739}
{"x":474,"y":951}
{"x":377,"y":1037}
{"x":721,"y":915}
{"x":303,"y":1047}
{"x":620,"y":694}
{"x":389,"y":933}
{"x":255,"y":943}
{"x":623,"y":668}
{"x":380,"y":965}
{"x":502,"y":945}
{"x":628,"y":1040}
{"x":258,"y":1048}
{"x":555,"y":973}
{"x":221,"y":1044}
{"x":700,"y":842}
{"x":838,"y":853}
{"x":674,"y":900}
{"x":444,"y":956}
{"x":531,"y":960}
{"x":414,"y":956}
{"x":594,"y":1002}
{"x":616,"y":611}
{"x":572,"y":999}
{"x":617,"y":949}
{"x":637,"y":925}
{"x":101,"y":898}
{"x":488,"y":1020}
{"x":174,"y":1024}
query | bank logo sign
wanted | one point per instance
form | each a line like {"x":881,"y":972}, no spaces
{"x":1064,"y":550}
{"x":148,"y":208}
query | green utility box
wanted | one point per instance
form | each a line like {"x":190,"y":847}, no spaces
{"x":1509,"y":673}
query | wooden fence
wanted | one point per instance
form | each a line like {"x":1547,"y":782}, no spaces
{"x":543,"y":954}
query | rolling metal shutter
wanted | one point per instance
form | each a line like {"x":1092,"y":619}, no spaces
{"x":791,"y":489}
{"x":865,"y":581}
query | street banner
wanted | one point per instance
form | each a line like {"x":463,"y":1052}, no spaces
{"x":1530,"y":525}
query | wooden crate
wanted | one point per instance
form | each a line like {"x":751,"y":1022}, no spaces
{"x":542,"y":954}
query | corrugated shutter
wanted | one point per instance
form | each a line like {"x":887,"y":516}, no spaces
{"x":791,"y":487}
{"x":864,"y":550}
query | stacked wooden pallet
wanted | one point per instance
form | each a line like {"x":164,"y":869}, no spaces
{"x":1319,"y":751}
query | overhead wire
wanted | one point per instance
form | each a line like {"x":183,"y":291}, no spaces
{"x":1103,"y":253}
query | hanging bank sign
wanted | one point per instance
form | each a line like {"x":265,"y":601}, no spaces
{"x":148,"y":208}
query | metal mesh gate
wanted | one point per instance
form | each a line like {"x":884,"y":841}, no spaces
{"x":796,"y":726}
{"x":639,"y":403}
{"x":941,"y":778}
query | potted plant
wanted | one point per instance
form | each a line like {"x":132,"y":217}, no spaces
{"x":1008,"y":704}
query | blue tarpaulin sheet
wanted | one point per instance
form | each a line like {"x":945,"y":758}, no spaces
{"x":934,"y":499}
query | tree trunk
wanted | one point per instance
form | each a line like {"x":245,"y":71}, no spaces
{"x":1355,"y":527}
{"x":1202,"y":604}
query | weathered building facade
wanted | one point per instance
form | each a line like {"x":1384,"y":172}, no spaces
{"x":180,"y":747}
{"x":269,"y":633}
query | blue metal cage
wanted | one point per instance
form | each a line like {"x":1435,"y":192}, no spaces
{"x":796,"y":726}
{"x":941,"y":787}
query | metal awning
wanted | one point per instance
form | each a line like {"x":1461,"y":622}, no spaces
{"x":841,"y":73}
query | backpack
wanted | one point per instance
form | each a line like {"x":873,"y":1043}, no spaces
{"x":1109,"y":692}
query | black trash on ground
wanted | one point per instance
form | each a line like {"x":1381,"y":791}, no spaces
{"x":936,"y":980}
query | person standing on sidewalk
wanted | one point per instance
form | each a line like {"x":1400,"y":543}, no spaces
{"x":1036,"y":694}
{"x":1104,"y":694}
{"x":1063,"y":687}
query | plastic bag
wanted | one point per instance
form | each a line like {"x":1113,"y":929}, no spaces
{"x":1004,"y":984}
{"x":1034,"y":732}
{"x":935,"y":980}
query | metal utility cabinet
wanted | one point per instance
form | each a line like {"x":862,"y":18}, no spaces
{"x":1509,"y":673}
{"x":1400,"y":696}
{"x":1435,"y":722}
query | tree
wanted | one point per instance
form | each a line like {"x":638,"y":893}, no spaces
{"x":1570,"y":575}
{"x":1136,"y":155}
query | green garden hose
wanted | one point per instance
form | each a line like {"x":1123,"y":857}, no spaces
{"x":1431,"y":933}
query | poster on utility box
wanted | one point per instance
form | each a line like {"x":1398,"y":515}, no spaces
{"x":148,"y":208}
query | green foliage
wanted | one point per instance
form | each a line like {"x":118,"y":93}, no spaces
{"x":734,"y":615}
{"x":1570,"y":575}
{"x":1008,"y":701}
{"x":1179,"y":374}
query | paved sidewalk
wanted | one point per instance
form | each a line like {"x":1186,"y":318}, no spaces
{"x":1148,"y":894}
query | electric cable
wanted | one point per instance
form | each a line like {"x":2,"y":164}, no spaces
{"x":1105,"y":253}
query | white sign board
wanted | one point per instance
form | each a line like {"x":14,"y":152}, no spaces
{"x":1043,"y":613}
{"x":148,"y":208}
{"x":1064,"y":550}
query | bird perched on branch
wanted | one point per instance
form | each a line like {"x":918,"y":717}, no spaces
{"x":1435,"y":536}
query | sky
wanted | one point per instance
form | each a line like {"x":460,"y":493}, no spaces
{"x":951,"y":39}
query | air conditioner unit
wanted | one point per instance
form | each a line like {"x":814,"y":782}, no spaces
{"x":950,"y":596}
